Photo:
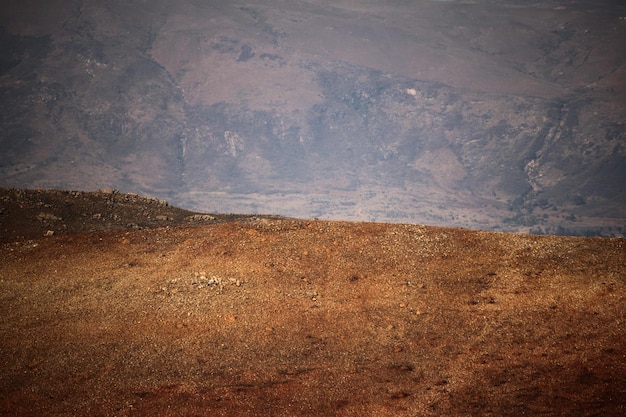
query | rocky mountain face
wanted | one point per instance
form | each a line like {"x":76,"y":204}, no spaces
{"x":495,"y":116}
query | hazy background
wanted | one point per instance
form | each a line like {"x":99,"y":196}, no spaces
{"x":499,"y":115}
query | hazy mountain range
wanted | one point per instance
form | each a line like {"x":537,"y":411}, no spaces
{"x":494,"y":115}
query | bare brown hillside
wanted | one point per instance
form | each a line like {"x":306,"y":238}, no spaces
{"x":281,"y":317}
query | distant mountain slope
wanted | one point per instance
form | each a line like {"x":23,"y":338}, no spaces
{"x":506,"y":116}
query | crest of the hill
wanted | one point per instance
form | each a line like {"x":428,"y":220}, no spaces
{"x":33,"y":213}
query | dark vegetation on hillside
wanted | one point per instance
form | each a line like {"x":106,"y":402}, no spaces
{"x":35,"y":213}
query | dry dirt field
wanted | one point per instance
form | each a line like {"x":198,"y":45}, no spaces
{"x":246,"y":316}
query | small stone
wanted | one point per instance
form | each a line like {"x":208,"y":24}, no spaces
{"x":399,"y":395}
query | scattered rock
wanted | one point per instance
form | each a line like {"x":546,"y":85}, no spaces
{"x":48,"y":217}
{"x":200,"y":217}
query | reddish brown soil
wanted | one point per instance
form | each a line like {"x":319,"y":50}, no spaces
{"x":278,"y":317}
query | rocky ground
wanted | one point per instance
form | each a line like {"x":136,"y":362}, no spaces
{"x":133,"y":307}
